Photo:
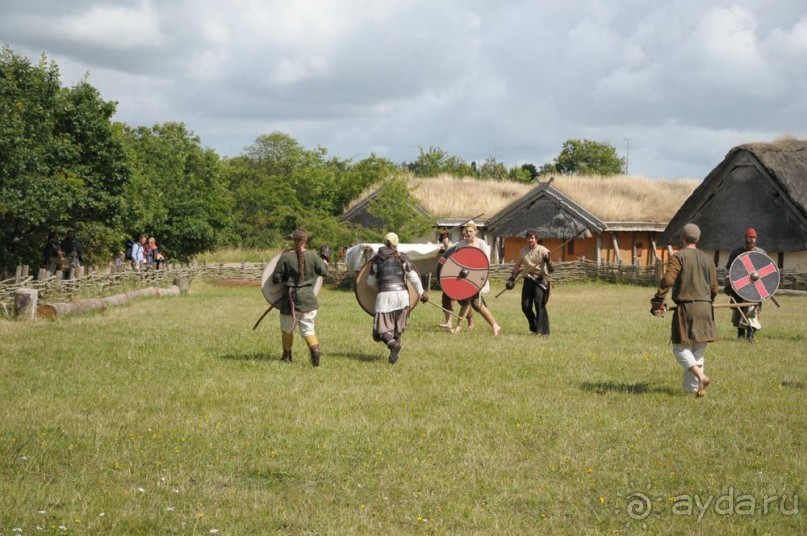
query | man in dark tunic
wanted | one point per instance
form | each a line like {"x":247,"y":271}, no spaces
{"x":297,"y":270}
{"x":692,"y":276}
{"x":746,"y":320}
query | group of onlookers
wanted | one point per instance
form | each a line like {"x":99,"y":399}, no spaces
{"x":144,"y":255}
{"x":66,"y":255}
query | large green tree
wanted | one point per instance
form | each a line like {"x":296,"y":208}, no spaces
{"x":61,"y":165}
{"x":277,"y":185}
{"x":587,"y":157}
{"x":178,"y":193}
{"x":436,"y":161}
{"x":395,"y":205}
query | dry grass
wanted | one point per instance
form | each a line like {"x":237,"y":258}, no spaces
{"x":627,"y":197}
{"x":616,"y":198}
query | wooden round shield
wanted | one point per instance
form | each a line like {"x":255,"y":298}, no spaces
{"x":463,"y":272}
{"x":754,"y":276}
{"x":274,"y":291}
{"x":366,"y":295}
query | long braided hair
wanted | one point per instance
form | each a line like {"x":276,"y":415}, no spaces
{"x":300,"y":237}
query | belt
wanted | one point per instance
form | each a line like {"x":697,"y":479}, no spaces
{"x":388,"y":287}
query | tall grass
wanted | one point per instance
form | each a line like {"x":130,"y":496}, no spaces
{"x":171,"y":416}
{"x":611,"y":198}
{"x":237,"y":254}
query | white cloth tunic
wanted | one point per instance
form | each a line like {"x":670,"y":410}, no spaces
{"x":395,"y":300}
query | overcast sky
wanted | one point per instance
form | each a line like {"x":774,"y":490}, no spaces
{"x":674,"y":84}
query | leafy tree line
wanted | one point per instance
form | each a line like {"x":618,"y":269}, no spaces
{"x":65,"y":165}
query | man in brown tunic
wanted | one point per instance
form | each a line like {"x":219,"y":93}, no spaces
{"x":692,"y":276}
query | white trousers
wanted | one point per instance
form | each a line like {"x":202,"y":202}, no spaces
{"x":688,"y":356}
{"x":305,"y":321}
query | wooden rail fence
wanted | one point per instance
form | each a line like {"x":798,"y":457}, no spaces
{"x":96,"y":284}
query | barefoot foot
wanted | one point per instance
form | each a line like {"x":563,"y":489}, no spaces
{"x":701,"y":392}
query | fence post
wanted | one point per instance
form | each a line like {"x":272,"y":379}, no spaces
{"x":659,"y":271}
{"x":26,"y":301}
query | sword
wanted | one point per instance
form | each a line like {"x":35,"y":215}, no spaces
{"x":742,"y":313}
{"x":266,"y":312}
{"x":505,"y":289}
{"x":734,"y":305}
{"x":572,"y":238}
{"x":444,"y":310}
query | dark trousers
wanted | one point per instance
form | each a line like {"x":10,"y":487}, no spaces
{"x":532,"y":305}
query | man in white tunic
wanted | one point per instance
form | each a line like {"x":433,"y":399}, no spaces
{"x":389,"y":272}
{"x":477,"y":302}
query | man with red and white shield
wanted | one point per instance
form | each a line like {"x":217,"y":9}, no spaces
{"x":745,"y":319}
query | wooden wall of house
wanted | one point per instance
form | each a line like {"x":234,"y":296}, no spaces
{"x":572,"y":251}
{"x":587,"y":248}
{"x":635,"y":247}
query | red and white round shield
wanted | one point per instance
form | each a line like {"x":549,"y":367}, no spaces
{"x":463,"y":272}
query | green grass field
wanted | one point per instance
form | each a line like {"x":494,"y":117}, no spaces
{"x":171,"y":416}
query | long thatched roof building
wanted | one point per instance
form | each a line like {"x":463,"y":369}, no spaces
{"x":614,"y":220}
{"x":759,"y":185}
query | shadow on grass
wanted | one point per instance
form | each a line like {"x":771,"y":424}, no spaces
{"x":255,"y":356}
{"x":360,"y":357}
{"x":640,"y":388}
{"x":794,"y":385}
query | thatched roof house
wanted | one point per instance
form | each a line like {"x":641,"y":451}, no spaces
{"x":613,"y":219}
{"x":357,"y":213}
{"x":450,"y":201}
{"x":759,"y":185}
{"x":606,"y":219}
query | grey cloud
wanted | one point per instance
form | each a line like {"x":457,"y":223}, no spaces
{"x":512,"y":79}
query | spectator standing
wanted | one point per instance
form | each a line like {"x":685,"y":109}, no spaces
{"x":138,"y":252}
{"x":51,"y":253}
{"x":74,"y":253}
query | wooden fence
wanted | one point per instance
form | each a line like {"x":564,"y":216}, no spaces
{"x":96,"y":284}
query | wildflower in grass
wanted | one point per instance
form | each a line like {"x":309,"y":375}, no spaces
{"x":602,"y":500}
{"x":200,"y":515}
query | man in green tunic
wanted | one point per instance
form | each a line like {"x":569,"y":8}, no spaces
{"x":692,"y":276}
{"x":297,"y":270}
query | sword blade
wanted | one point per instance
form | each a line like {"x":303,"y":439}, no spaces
{"x":266,"y":312}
